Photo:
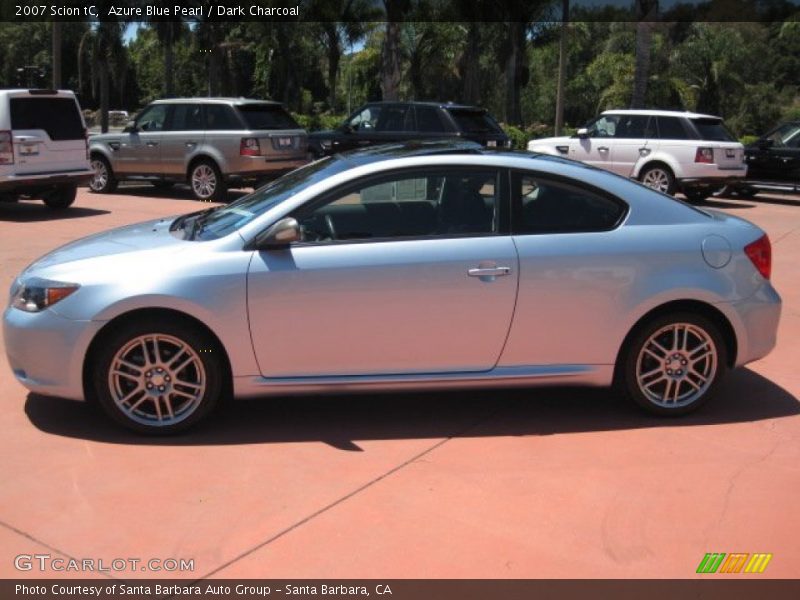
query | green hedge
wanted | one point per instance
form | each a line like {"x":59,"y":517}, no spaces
{"x":319,"y":121}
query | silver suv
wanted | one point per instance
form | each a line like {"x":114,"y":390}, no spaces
{"x":209,"y":143}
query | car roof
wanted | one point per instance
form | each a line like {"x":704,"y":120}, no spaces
{"x":447,"y":105}
{"x":659,"y":113}
{"x":220,"y":100}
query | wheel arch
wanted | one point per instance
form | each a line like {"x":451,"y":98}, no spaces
{"x":149,"y":313}
{"x":693,"y":306}
{"x":657,"y":160}
{"x":205,"y":156}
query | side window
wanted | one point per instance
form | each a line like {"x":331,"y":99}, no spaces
{"x":631,"y":127}
{"x":152,"y":118}
{"x":186,"y":117}
{"x":393,"y":118}
{"x":605,"y":126}
{"x":366,"y":120}
{"x":220,"y":116}
{"x":671,"y":128}
{"x":544,"y":206}
{"x":428,"y":120}
{"x":786,"y":136}
{"x":430,"y":203}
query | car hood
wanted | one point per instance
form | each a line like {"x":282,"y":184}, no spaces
{"x":148,"y":235}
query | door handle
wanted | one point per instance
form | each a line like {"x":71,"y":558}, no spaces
{"x":489,"y":272}
{"x":151,"y":144}
{"x":191,"y":144}
{"x":602,"y":148}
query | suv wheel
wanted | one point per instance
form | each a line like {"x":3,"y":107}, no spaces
{"x":674,"y":363}
{"x":103,"y":180}
{"x":659,"y":178}
{"x":61,"y":197}
{"x":206,"y":182}
{"x":695,"y":195}
{"x":158,"y":376}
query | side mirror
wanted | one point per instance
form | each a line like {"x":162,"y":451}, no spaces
{"x":279,"y":235}
{"x":582,"y":133}
{"x":130,"y":127}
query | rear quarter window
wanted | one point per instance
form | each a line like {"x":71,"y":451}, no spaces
{"x":267,"y":116}
{"x":59,"y":117}
{"x":474,"y":121}
{"x":712,"y":130}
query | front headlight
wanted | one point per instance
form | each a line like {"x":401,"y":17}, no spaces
{"x":36,"y":294}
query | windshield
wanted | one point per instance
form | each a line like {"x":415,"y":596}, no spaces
{"x":221,"y":221}
{"x":267,"y":116}
{"x":474,"y":121}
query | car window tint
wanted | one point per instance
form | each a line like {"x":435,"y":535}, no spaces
{"x":267,"y":116}
{"x":59,"y":117}
{"x":631,"y":127}
{"x":786,"y":136}
{"x":712,"y":130}
{"x":220,"y":116}
{"x":671,"y":128}
{"x":186,"y":117}
{"x":408,"y":205}
{"x":428,"y":120}
{"x":393,"y":118}
{"x":551,"y":207}
{"x":474,"y":121}
{"x":366,"y":119}
{"x":152,"y":118}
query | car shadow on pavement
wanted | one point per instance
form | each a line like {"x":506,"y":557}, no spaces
{"x":341,"y":421}
{"x":30,"y":212}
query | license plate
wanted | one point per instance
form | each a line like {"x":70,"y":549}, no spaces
{"x":285,"y":142}
{"x":29,"y":150}
{"x":730,"y":153}
{"x":491,"y":144}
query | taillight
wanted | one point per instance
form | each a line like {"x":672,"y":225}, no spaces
{"x":760,"y":254}
{"x":6,"y":148}
{"x":704,"y":155}
{"x":249,"y":147}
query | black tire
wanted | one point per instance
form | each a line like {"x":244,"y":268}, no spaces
{"x":162,"y":185}
{"x":658,"y":177}
{"x":746,"y":192}
{"x":671,"y":375}
{"x":60,"y":198}
{"x":206,"y":181}
{"x":103,"y":181}
{"x":189,"y":392}
{"x":696,"y":196}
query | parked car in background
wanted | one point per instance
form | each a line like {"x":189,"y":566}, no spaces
{"x":773,"y":162}
{"x":387,"y":122}
{"x":668,"y":151}
{"x":209,"y":143}
{"x":44,"y":151}
{"x":398,"y":268}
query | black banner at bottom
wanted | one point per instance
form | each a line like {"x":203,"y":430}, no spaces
{"x":399,"y":589}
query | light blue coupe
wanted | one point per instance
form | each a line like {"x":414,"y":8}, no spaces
{"x":422,"y":266}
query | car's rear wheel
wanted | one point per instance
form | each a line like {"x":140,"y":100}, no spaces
{"x":61,"y":197}
{"x":674,"y":364}
{"x":206,"y":181}
{"x":158,"y":376}
{"x":658,"y":177}
{"x":103,"y":180}
{"x":696,"y":195}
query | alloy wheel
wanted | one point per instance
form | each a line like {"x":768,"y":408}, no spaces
{"x":657,"y":179}
{"x":204,"y":181}
{"x":100,"y":178}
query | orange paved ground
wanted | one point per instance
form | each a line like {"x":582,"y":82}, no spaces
{"x":517,"y":484}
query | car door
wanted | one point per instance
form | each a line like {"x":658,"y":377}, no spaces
{"x":359,"y":131}
{"x":596,"y":147}
{"x":631,"y":140}
{"x":412,"y":272}
{"x":776,"y":156}
{"x":140,"y":148}
{"x":182,"y":135}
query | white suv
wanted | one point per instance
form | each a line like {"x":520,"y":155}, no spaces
{"x":44,"y":149}
{"x":665,"y":150}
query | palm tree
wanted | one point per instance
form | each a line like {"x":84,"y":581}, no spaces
{"x":562,"y":66}
{"x":56,"y":56}
{"x":168,"y":33}
{"x":390,"y":55}
{"x":102,"y":47}
{"x":646,"y":13}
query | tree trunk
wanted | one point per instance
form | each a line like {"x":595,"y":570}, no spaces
{"x":334,"y":56}
{"x":562,"y":67}
{"x":104,"y":93}
{"x":646,"y":12}
{"x":169,"y":62}
{"x":470,"y":66}
{"x":516,"y":77}
{"x":390,"y":63}
{"x":57,"y":35}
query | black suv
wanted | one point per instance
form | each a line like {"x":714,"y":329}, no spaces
{"x":773,"y":162}
{"x":386,"y":122}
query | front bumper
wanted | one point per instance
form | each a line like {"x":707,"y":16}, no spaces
{"x":46,"y":351}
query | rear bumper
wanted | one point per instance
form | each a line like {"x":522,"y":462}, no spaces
{"x":757,"y":327}
{"x":251,"y":167}
{"x":22,"y":184}
{"x":712,"y":176}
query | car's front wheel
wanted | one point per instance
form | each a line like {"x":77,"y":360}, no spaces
{"x":103,"y":180}
{"x":206,"y":182}
{"x":158,"y":376}
{"x":659,"y":178}
{"x":674,"y":363}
